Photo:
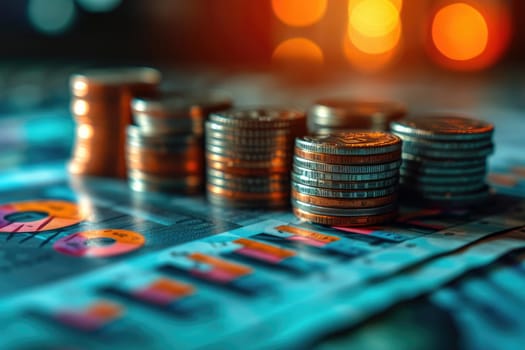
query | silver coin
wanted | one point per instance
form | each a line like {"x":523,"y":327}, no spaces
{"x":251,"y":143}
{"x":252,"y":150}
{"x":447,"y":128}
{"x":221,"y":131}
{"x":443,"y":163}
{"x":191,"y":180}
{"x":243,"y":141}
{"x":345,"y":169}
{"x":266,"y":118}
{"x":279,"y":155}
{"x":322,"y":192}
{"x":344,"y":185}
{"x":248,"y":187}
{"x":440,"y":179}
{"x":326,"y":176}
{"x":424,"y":188}
{"x":318,"y":210}
{"x":355,"y":143}
{"x":460,"y":197}
{"x":447,"y":154}
{"x":254,"y":180}
{"x":154,"y":126}
{"x":423,"y":169}
{"x":414,"y":142}
{"x":182,"y":105}
{"x":348,"y":113}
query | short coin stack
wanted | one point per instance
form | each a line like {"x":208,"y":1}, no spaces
{"x":334,"y":115}
{"x":348,"y":179}
{"x":249,"y":156}
{"x":444,"y":159}
{"x":165,"y":148}
{"x":101,"y":109}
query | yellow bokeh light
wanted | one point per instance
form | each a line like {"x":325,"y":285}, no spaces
{"x":375,"y":45}
{"x":373,"y":18}
{"x":299,"y":13}
{"x":298,"y":50}
{"x":460,"y":32}
{"x":364,"y":62}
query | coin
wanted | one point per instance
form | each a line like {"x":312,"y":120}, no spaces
{"x":260,"y":118}
{"x":413,"y":177}
{"x":347,"y":212}
{"x":443,"y":163}
{"x":350,"y":194}
{"x":355,"y":143}
{"x":249,"y":186}
{"x":328,"y":176}
{"x":425,"y":188}
{"x":348,"y":159}
{"x":423,"y":169}
{"x":355,"y":114}
{"x":447,"y":154}
{"x":345,"y":185}
{"x":447,"y":128}
{"x":345,"y":203}
{"x":414,"y":142}
{"x":346,"y":169}
{"x":343,"y":220}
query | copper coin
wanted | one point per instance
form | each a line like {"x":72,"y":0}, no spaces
{"x":344,"y":220}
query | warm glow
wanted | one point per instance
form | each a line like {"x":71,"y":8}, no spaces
{"x":460,"y":32}
{"x":469,"y":35}
{"x":80,"y":107}
{"x":85,"y":131}
{"x":298,"y":50}
{"x":364,"y":62}
{"x":373,"y":18}
{"x":377,"y":44}
{"x":299,"y":13}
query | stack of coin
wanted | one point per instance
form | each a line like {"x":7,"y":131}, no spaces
{"x":444,"y":159}
{"x":101,"y":109}
{"x":165,"y":148}
{"x":348,"y":179}
{"x":335,"y":115}
{"x":249,"y":156}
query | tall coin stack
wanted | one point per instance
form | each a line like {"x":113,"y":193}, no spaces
{"x":165,"y":150}
{"x":348,"y":179}
{"x":444,"y":159}
{"x":249,"y":156}
{"x":101,"y":108}
{"x":335,"y":115}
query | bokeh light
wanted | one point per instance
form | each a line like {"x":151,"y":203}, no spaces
{"x":374,"y":18}
{"x":373,"y":33}
{"x":51,"y":16}
{"x":468,"y":35}
{"x":460,"y":32}
{"x":298,"y":50}
{"x":299,"y":13}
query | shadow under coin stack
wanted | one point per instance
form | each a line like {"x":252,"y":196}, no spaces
{"x":329,"y":116}
{"x":249,"y":156}
{"x":444,"y":159}
{"x":101,"y":110}
{"x":348,"y":179}
{"x":165,"y":150}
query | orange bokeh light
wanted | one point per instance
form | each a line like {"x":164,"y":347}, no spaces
{"x":298,"y":50}
{"x":375,"y":45}
{"x":468,"y":35}
{"x":365,"y":62}
{"x":299,"y":13}
{"x":460,"y":32}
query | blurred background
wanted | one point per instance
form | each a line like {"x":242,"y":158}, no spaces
{"x":308,"y":41}
{"x":363,"y":35}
